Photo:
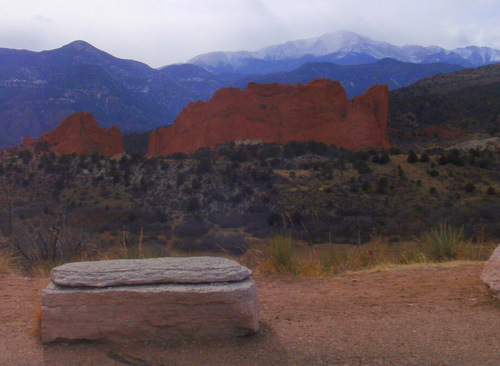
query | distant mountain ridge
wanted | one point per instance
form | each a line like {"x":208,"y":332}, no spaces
{"x":343,"y":48}
{"x":38,"y":90}
{"x":356,"y":78}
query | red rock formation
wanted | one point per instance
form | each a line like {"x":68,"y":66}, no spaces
{"x":443,"y":133}
{"x":80,"y":133}
{"x":318,"y":110}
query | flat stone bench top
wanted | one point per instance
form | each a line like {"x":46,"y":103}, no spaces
{"x":120,"y":272}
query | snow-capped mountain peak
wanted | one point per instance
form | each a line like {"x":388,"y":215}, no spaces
{"x":339,"y":47}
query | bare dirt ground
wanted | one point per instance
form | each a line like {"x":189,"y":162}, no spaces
{"x":425,"y":315}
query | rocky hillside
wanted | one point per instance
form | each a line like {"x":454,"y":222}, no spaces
{"x":39,"y":89}
{"x":230,"y":196}
{"x":317,"y":111}
{"x":466,"y":101}
{"x":80,"y":134}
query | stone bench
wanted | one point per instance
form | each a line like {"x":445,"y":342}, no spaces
{"x":149,"y":299}
{"x":491,"y":273}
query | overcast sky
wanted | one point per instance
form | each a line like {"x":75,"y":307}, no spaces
{"x":161,"y":32}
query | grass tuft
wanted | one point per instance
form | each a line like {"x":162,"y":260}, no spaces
{"x":443,"y":243}
{"x":8,"y":262}
{"x":282,"y":256}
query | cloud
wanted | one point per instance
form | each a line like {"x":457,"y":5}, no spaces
{"x":42,"y":19}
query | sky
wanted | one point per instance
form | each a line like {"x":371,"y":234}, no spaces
{"x":163,"y":32}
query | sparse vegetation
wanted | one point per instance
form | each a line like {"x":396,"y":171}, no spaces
{"x":282,"y":255}
{"x":231,"y":197}
{"x":442,"y":243}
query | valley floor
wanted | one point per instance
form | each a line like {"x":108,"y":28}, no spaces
{"x":421,"y":315}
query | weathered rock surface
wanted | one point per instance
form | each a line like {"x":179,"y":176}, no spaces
{"x":136,"y":309}
{"x":492,"y":143}
{"x":150,"y":271}
{"x":318,"y":111}
{"x":80,"y":133}
{"x":491,"y":273}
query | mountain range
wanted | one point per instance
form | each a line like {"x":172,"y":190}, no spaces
{"x":39,"y":89}
{"x":342,"y":48}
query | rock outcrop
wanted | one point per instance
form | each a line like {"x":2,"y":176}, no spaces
{"x":80,"y":133}
{"x":491,"y":273}
{"x":150,"y":299}
{"x":318,"y":111}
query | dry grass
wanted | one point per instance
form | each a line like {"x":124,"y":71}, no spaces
{"x":8,"y":262}
{"x":351,"y":258}
{"x":420,"y":265}
{"x":282,"y":259}
{"x":128,"y":249}
{"x":440,"y":245}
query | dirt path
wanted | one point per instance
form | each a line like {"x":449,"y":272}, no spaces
{"x":433,"y":315}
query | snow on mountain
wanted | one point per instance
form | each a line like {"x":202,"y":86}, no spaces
{"x":479,"y":55}
{"x":343,"y":47}
{"x":224,"y":58}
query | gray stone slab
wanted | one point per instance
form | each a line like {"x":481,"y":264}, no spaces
{"x":150,"y":312}
{"x":149,"y":271}
{"x":491,"y":273}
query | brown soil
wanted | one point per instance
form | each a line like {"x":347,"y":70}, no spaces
{"x":426,"y":315}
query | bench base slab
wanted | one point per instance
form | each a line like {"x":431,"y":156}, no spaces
{"x":150,"y":312}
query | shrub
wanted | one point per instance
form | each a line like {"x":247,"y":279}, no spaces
{"x":442,"y":243}
{"x":433,"y":173}
{"x":228,"y":220}
{"x":50,"y":244}
{"x":186,"y":244}
{"x":193,"y":204}
{"x":424,"y":158}
{"x":412,"y":157}
{"x":454,"y":157}
{"x":202,"y":153}
{"x":443,"y":160}
{"x":204,"y":166}
{"x":491,"y":191}
{"x":178,"y":156}
{"x":382,"y":185}
{"x":382,"y":159}
{"x":294,"y":148}
{"x":470,"y":187}
{"x":363,"y":168}
{"x":317,"y":148}
{"x":192,"y":228}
